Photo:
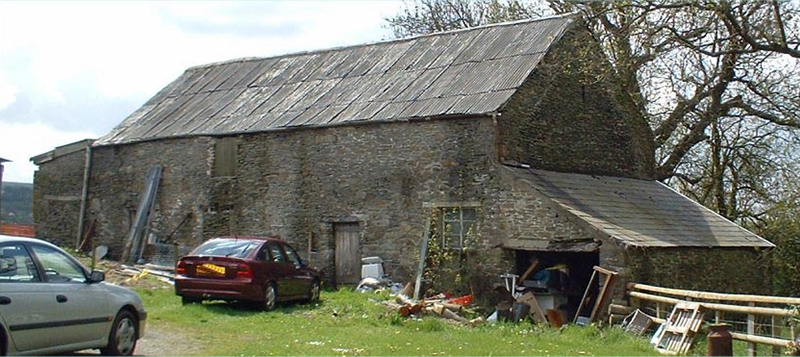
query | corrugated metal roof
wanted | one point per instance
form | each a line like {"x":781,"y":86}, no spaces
{"x":464,"y":72}
{"x":642,"y":213}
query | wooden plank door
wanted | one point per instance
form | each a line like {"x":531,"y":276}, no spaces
{"x":346,"y":254}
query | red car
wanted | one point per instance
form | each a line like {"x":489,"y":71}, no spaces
{"x":262,"y":270}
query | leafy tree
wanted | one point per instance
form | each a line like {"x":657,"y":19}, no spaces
{"x":783,"y":228}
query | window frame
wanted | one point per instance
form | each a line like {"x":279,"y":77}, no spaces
{"x":464,"y":233}
{"x":292,"y":255}
{"x":69,"y":259}
{"x":37,"y":270}
{"x":271,"y":249}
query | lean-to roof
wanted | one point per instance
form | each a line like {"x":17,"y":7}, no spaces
{"x":641,"y":213}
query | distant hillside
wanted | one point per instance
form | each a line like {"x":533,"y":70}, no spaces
{"x":17,"y":204}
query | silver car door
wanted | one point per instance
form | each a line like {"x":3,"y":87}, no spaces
{"x":81,"y":312}
{"x":26,"y":303}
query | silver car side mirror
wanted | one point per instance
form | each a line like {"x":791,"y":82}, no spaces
{"x":97,"y":276}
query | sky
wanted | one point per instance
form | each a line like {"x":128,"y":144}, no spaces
{"x":73,"y":70}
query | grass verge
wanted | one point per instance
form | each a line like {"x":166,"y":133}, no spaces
{"x":348,"y":323}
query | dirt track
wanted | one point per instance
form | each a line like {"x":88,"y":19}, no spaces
{"x":159,"y":341}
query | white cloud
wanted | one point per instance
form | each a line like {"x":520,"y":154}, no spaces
{"x":8,"y":92}
{"x":81,"y":66}
{"x":20,"y":142}
{"x":134,"y":48}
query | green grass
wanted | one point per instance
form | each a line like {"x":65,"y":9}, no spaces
{"x":348,"y":323}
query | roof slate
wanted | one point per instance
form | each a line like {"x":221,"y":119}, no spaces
{"x":642,"y":213}
{"x":463,"y":72}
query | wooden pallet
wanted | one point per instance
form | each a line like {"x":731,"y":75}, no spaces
{"x":677,"y":333}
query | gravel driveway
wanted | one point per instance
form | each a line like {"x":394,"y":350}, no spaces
{"x":161,"y":341}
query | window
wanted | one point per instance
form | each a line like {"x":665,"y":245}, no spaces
{"x":58,"y":268}
{"x":16,"y":265}
{"x":458,"y":226}
{"x":226,"y":248}
{"x":293,"y":257}
{"x":276,"y":252}
{"x":225,"y":157}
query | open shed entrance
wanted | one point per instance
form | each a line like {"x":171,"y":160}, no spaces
{"x":557,"y":279}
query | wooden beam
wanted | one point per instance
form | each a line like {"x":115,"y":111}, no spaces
{"x":528,"y":272}
{"x":751,"y":330}
{"x":603,"y":297}
{"x":423,"y":255}
{"x":744,"y":298}
{"x":777,"y":342}
{"x":765,"y":311}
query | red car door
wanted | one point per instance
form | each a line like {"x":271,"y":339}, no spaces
{"x":281,"y":270}
{"x":302,"y":277}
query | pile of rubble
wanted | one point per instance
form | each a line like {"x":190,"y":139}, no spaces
{"x":146,"y":276}
{"x":440,"y":305}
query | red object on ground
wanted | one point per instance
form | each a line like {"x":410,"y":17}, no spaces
{"x":463,"y":301}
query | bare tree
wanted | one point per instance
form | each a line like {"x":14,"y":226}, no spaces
{"x":427,"y":16}
{"x":718,"y":83}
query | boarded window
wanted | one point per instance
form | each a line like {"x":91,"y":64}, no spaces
{"x":458,"y":226}
{"x":225,"y":157}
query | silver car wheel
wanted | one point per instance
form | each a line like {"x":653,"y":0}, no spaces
{"x":126,"y":336}
{"x":270,"y":297}
{"x":122,"y":338}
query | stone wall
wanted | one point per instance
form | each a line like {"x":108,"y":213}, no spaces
{"x":520,"y":213}
{"x":298,"y":184}
{"x":118,"y":179}
{"x":569,"y":117}
{"x":729,"y":270}
{"x":58,"y":185}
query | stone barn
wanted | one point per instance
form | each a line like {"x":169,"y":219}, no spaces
{"x":503,"y":145}
{"x":58,"y":192}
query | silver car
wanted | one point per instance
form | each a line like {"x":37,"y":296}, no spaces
{"x":50,"y":303}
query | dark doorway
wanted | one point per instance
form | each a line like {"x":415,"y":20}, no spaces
{"x":559,"y":278}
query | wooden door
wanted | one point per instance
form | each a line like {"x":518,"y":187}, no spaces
{"x":347,"y":256}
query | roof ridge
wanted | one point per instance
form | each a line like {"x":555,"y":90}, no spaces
{"x":397,"y":40}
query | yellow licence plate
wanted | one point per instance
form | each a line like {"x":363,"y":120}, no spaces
{"x":210,"y":269}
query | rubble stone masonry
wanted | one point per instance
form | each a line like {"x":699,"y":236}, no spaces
{"x":297,"y":184}
{"x":57,"y":198}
